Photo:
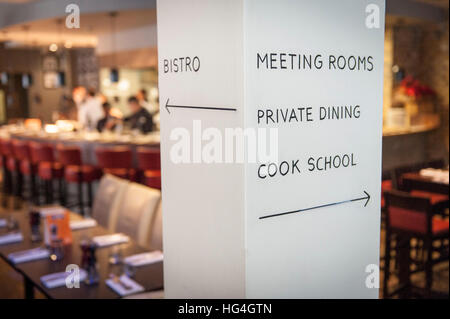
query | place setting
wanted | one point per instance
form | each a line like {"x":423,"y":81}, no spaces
{"x":9,"y":231}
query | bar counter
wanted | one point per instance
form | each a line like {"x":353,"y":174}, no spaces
{"x":87,"y":141}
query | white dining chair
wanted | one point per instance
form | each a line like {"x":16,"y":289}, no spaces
{"x":136,"y":212}
{"x":156,"y":229}
{"x":107,"y":200}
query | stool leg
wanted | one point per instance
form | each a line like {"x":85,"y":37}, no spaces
{"x":7,"y":182}
{"x":50,"y":190}
{"x":47,"y":191}
{"x":428,"y":245}
{"x":36,"y":199}
{"x":19,"y":188}
{"x":387,"y":263}
{"x":80,"y":197}
{"x":6,"y":186}
{"x":33,"y":190}
{"x":89,"y":187}
{"x":62,"y":193}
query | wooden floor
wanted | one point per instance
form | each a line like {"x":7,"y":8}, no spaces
{"x":11,"y":285}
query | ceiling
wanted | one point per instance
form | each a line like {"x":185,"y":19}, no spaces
{"x":45,"y":32}
{"x":17,"y":1}
{"x":437,"y":3}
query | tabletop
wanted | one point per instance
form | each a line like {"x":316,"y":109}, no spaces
{"x":415,"y":180}
{"x":150,"y":276}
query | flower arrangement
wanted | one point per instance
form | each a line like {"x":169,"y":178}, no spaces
{"x":414,"y":89}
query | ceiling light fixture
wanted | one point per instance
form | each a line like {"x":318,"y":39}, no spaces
{"x":53,"y":47}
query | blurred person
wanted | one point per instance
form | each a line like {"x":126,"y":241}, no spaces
{"x":109,"y":121}
{"x":140,"y":119}
{"x":90,"y":111}
{"x":79,"y":95}
{"x":67,"y":109}
{"x":143,"y":100}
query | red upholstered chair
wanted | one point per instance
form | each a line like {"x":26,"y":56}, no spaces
{"x":48,"y":169}
{"x":117,"y":161}
{"x":149,"y":161}
{"x":77,"y":172}
{"x":12,"y":167}
{"x":386,"y":185}
{"x":412,"y":217}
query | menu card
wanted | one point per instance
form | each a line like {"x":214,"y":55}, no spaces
{"x":57,"y":228}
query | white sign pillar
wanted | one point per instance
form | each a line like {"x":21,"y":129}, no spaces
{"x":306,"y":224}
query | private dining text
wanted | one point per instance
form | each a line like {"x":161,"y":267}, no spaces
{"x":283,"y":115}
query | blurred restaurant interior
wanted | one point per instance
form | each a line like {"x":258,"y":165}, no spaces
{"x":79,"y":128}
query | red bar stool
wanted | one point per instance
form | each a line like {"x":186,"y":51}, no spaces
{"x":6,"y":152}
{"x":149,"y":161}
{"x":76,"y":172}
{"x":27,"y":167}
{"x":12,"y":166}
{"x":48,"y":169}
{"x":117,"y":161}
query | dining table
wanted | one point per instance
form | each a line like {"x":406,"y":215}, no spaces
{"x":149,"y":276}
{"x":419,"y":180}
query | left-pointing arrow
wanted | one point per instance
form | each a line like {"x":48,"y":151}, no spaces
{"x":366,"y":198}
{"x":214,"y":108}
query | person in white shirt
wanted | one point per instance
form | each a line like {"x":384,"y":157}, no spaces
{"x":90,"y":111}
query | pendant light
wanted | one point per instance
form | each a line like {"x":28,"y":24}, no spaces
{"x":114,"y":74}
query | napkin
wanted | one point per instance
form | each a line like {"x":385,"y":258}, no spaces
{"x":83,"y":223}
{"x":29,"y":255}
{"x":144,"y":259}
{"x":2,"y":222}
{"x":58,"y":279}
{"x":125,"y":287}
{"x":437,"y":175}
{"x":11,"y":238}
{"x":108,"y":240}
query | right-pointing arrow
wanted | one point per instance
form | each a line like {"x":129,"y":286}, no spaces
{"x":366,"y":198}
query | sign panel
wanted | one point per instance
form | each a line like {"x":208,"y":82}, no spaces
{"x":200,"y":74}
{"x":302,"y":223}
{"x":314,"y":71}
